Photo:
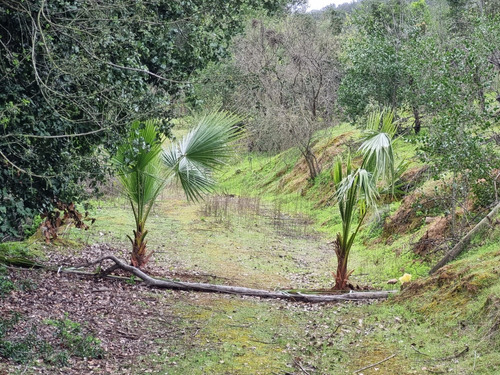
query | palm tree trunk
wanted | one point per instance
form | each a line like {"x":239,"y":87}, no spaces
{"x":139,"y":256}
{"x":341,"y":276}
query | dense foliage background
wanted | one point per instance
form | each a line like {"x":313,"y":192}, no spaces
{"x":75,"y":74}
{"x":435,"y":63}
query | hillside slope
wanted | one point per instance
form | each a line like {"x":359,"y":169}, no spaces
{"x":447,"y":322}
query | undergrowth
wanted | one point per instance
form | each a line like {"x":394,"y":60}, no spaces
{"x":447,"y":323}
{"x":68,"y":340}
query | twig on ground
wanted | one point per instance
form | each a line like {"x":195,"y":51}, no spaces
{"x":453,"y":356}
{"x":298,"y":364}
{"x":442,"y":359}
{"x":418,"y":351}
{"x":375,"y":364}
{"x":337,"y":328}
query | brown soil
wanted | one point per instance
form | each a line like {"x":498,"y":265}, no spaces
{"x":435,"y":235}
{"x":409,"y":217}
{"x":404,"y":219}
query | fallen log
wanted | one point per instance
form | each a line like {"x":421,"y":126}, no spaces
{"x":462,"y":244}
{"x":226,"y":289}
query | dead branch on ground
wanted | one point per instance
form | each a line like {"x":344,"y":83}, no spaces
{"x":227,"y":289}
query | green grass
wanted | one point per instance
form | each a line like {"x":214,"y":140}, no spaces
{"x":281,"y":178}
{"x":426,"y":331}
{"x":253,"y":339}
{"x":426,"y":326}
{"x":23,"y":249}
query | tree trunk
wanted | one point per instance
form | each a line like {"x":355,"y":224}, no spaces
{"x":203,"y":287}
{"x":312,"y":163}
{"x":462,"y":244}
{"x":139,"y":257}
{"x":417,"y":124}
{"x":453,"y":206}
{"x":342,"y":275}
{"x":480,"y":90}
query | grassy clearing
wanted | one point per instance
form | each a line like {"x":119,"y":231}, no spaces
{"x":281,"y":181}
{"x":427,"y":327}
{"x":280,"y":240}
{"x":432,"y":322}
{"x":233,"y":335}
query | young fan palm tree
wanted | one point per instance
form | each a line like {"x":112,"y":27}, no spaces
{"x":144,"y":168}
{"x":357,"y":189}
{"x":142,"y":178}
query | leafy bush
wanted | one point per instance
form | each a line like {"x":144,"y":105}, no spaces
{"x":484,"y":193}
{"x":32,"y":226}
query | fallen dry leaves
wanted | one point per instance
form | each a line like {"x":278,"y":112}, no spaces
{"x":126,"y":318}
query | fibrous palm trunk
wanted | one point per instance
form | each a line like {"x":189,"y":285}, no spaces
{"x":342,"y":275}
{"x":139,"y":256}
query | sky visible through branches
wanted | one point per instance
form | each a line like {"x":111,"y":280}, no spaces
{"x":320,"y":4}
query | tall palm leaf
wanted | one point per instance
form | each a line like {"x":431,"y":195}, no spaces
{"x":378,"y":156}
{"x":357,"y":189}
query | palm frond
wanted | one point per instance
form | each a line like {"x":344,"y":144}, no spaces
{"x":337,"y":171}
{"x":378,"y":156}
{"x":388,"y":125}
{"x":367,"y":187}
{"x":355,"y":186}
{"x":381,"y":122}
{"x":203,"y":149}
{"x":208,"y":143}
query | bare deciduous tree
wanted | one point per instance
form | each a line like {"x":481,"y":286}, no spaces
{"x":292,"y":75}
